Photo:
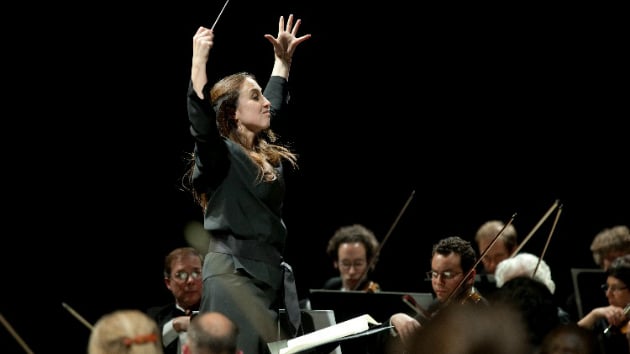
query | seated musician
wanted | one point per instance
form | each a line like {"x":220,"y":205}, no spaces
{"x":353,"y":250}
{"x":611,"y":323}
{"x":452,"y":274}
{"x":503,"y":247}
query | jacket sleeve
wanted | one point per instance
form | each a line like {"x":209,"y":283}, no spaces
{"x":277,"y":92}
{"x":211,"y":155}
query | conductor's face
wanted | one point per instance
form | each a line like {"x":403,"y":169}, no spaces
{"x":254,"y":110}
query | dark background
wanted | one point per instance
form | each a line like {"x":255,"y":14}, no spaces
{"x":483,"y":112}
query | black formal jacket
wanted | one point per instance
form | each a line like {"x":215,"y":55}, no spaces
{"x":335,"y":283}
{"x":239,"y":205}
{"x":163,"y":314}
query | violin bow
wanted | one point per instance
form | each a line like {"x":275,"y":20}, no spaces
{"x":531,"y":233}
{"x":419,"y":310}
{"x":380,"y":247}
{"x":494,"y":240}
{"x":77,"y":316}
{"x":15,"y":335}
{"x":553,"y":228}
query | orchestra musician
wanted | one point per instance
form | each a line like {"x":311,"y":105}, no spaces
{"x":611,"y":323}
{"x":608,"y":244}
{"x":452,"y":274}
{"x":502,"y":249}
{"x":353,"y":250}
{"x":182,"y":277}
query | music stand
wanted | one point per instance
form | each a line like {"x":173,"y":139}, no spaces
{"x":380,"y":305}
{"x":587,"y":288}
{"x":352,"y":344}
{"x":312,"y":320}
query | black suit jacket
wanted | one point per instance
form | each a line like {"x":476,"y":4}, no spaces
{"x":335,"y":283}
{"x":163,"y":314}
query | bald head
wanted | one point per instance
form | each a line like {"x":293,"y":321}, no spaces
{"x":505,"y":244}
{"x":215,"y":323}
{"x":212,"y":333}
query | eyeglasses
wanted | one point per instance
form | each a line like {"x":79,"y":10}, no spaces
{"x":357,"y":264}
{"x":445,"y":275}
{"x":613,"y":288}
{"x":183,"y":276}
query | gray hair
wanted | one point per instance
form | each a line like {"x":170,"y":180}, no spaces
{"x":524,"y":264}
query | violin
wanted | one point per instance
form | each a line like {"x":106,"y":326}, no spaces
{"x":472,"y":297}
{"x":371,"y":287}
{"x":623,"y":328}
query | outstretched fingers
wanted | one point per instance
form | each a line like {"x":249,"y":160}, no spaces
{"x":281,"y":24}
{"x":295,"y":28}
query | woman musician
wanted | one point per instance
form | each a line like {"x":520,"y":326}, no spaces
{"x":611,"y":322}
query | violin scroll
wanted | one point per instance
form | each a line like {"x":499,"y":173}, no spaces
{"x":371,"y":287}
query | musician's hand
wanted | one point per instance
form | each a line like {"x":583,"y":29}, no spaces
{"x":406,"y":326}
{"x":180,"y":323}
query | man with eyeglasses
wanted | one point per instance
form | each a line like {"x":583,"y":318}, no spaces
{"x":452,"y":277}
{"x":452,"y":273}
{"x":352,"y":249}
{"x":611,"y":323}
{"x":182,"y":277}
